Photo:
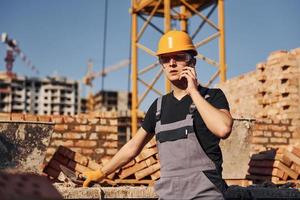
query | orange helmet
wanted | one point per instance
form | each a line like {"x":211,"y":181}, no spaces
{"x":173,"y":41}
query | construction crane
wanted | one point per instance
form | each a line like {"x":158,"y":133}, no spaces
{"x":90,"y":76}
{"x":13,"y":50}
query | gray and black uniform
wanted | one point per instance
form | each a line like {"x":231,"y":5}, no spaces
{"x":190,"y":156}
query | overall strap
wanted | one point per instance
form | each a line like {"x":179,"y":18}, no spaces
{"x":158,"y":109}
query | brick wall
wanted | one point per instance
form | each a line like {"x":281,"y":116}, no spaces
{"x":271,"y":96}
{"x":95,"y":136}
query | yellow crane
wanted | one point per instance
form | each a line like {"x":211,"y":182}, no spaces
{"x":176,"y":10}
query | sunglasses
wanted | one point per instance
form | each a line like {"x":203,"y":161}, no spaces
{"x":181,"y":57}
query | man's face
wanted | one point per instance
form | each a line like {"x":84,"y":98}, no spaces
{"x":173,"y":64}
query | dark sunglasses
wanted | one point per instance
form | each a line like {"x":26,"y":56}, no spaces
{"x":181,"y":57}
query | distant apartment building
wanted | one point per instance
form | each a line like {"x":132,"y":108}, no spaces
{"x":43,"y":96}
{"x":112,"y":100}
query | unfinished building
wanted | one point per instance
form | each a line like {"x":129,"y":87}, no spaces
{"x":43,"y":96}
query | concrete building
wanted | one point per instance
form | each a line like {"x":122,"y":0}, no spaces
{"x":43,"y":96}
{"x":112,"y":100}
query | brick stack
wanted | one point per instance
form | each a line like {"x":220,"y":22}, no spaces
{"x":143,"y":170}
{"x":276,"y":165}
{"x":278,"y":93}
{"x":278,"y":97}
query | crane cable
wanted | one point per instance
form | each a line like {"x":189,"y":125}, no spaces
{"x":104,"y":43}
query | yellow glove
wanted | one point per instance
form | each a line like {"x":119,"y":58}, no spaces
{"x":95,"y":176}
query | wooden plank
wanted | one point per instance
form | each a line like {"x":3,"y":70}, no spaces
{"x":147,"y":171}
{"x":266,"y":171}
{"x":146,"y":153}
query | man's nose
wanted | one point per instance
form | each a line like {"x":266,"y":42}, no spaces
{"x":172,"y":62}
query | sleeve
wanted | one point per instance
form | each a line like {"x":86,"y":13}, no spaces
{"x":219,"y":100}
{"x":149,"y":121}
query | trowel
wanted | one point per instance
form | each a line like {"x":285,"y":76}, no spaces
{"x":76,"y":178}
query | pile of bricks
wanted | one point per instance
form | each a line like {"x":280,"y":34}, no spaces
{"x":143,"y":170}
{"x":278,"y":91}
{"x":275,"y":165}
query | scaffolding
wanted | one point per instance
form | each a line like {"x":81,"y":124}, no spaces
{"x":178,"y":10}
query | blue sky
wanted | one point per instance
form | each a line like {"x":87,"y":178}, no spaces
{"x":59,"y":36}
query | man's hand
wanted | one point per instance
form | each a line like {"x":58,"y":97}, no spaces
{"x":92,"y":176}
{"x":190,"y":74}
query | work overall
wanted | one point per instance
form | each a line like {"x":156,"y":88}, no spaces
{"x":182,"y":161}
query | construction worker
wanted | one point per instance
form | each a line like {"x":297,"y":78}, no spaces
{"x":187,"y":123}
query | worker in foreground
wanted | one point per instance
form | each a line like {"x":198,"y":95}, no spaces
{"x":187,"y":123}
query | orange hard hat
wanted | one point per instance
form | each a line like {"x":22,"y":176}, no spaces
{"x":174,"y":41}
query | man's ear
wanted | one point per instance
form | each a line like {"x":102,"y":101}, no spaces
{"x":193,"y":62}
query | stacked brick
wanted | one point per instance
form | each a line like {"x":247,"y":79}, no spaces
{"x":143,"y":170}
{"x":278,"y":93}
{"x":271,"y":96}
{"x":276,"y":165}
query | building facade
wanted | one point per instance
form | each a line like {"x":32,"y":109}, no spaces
{"x":43,"y":96}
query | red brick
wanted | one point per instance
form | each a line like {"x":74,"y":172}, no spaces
{"x":44,"y":118}
{"x":29,"y":117}
{"x":54,"y":164}
{"x":109,"y":144}
{"x":77,"y":167}
{"x":60,"y":158}
{"x":85,"y":143}
{"x":111,"y":151}
{"x":103,"y":121}
{"x":58,"y":119}
{"x":81,"y":120}
{"x":56,"y":135}
{"x":113,"y":122}
{"x":112,"y":136}
{"x":68,"y":119}
{"x":93,"y":165}
{"x":5,"y":116}
{"x":51,"y":172}
{"x":277,"y":128}
{"x":260,"y":140}
{"x":87,"y":151}
{"x":74,"y":135}
{"x":99,"y":128}
{"x":82,"y":128}
{"x":99,"y":150}
{"x":81,"y":159}
{"x":17,"y":117}
{"x":93,"y":136}
{"x":61,"y":127}
{"x":94,"y":121}
{"x":279,"y":140}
